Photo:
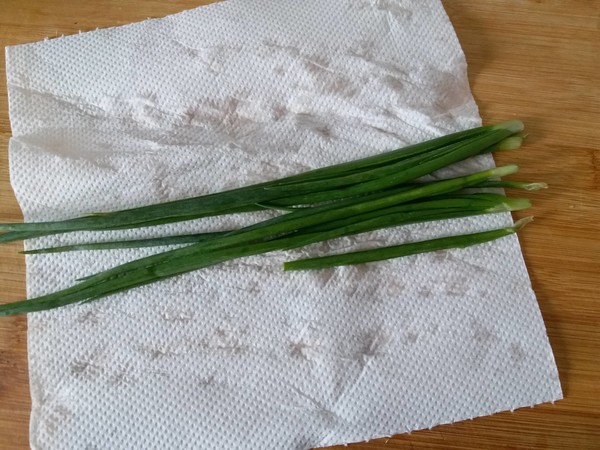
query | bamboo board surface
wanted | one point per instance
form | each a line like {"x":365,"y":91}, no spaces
{"x":536,"y":60}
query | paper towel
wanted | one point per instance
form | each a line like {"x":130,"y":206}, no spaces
{"x":241,"y":355}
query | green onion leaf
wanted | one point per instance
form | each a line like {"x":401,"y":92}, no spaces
{"x":397,"y":251}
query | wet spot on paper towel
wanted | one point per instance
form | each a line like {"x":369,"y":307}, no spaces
{"x":458,"y":287}
{"x":441,"y":256}
{"x":364,"y":291}
{"x":85,"y":369}
{"x":325,"y":276}
{"x":394,"y":83}
{"x":425,"y":292}
{"x":363,"y":49}
{"x":56,"y":418}
{"x":411,"y":337}
{"x":359,"y":287}
{"x":92,"y":317}
{"x":310,"y":122}
{"x":214,"y":113}
{"x":517,"y":354}
{"x":124,"y":375}
{"x":177,"y":316}
{"x":395,"y":287}
{"x":306,"y":344}
{"x":223,"y":341}
{"x":89,"y":365}
{"x":154,"y":352}
{"x":483,"y":340}
{"x":144,"y":110}
{"x":274,"y":47}
{"x":251,"y":288}
{"x":207,"y":381}
{"x":328,"y":79}
{"x":303,"y":350}
{"x":371,"y":345}
{"x":226,"y":116}
{"x":481,"y":333}
{"x":318,"y":66}
{"x":342,"y":86}
{"x":448,"y":256}
{"x":279,"y":111}
{"x":280,"y":70}
{"x":392,"y":7}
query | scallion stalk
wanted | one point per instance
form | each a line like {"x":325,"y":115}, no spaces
{"x":175,"y":262}
{"x":130,"y":243}
{"x":325,"y":184}
{"x":341,"y":200}
{"x":419,"y":211}
{"x":397,"y":251}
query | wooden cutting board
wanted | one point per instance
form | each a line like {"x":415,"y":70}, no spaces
{"x":535,"y":60}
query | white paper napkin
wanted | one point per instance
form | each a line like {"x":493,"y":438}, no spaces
{"x":242,"y":355}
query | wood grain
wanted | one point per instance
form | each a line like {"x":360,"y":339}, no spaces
{"x":534,"y":60}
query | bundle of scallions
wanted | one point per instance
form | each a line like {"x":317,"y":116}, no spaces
{"x":354,"y":197}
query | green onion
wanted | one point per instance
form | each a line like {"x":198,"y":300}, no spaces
{"x":292,"y":222}
{"x":341,"y":200}
{"x":175,"y":262}
{"x":326,"y":184}
{"x":447,"y":207}
{"x":397,"y":251}
{"x":130,"y":243}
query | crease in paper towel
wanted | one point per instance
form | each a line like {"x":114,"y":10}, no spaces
{"x":240,"y":355}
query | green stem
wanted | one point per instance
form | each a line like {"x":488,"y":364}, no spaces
{"x":294,"y":221}
{"x":413,"y":212}
{"x":130,"y":243}
{"x":398,"y":251}
{"x":513,"y":185}
{"x":391,"y":175}
{"x":248,"y":198}
{"x":156,"y":267}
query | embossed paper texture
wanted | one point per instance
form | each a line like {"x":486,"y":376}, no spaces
{"x":242,"y":355}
